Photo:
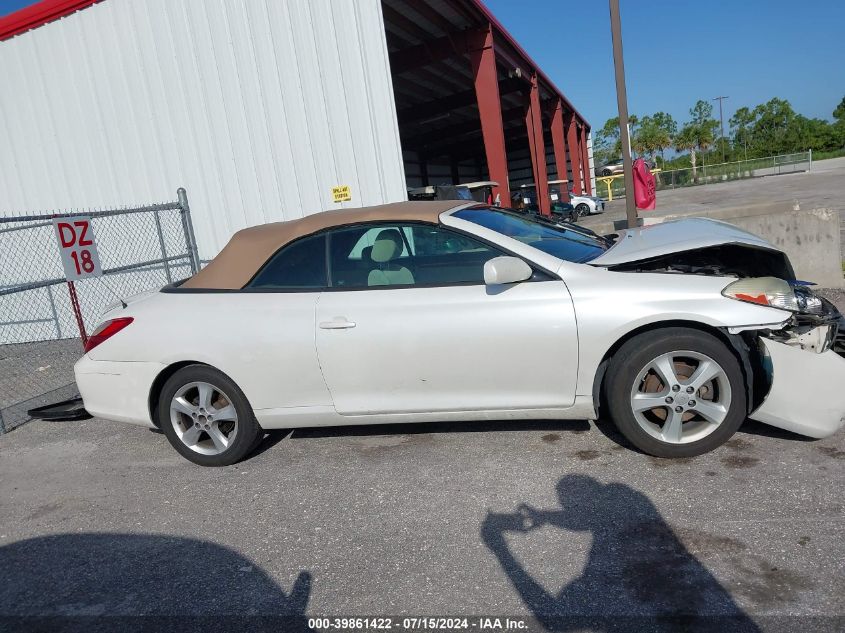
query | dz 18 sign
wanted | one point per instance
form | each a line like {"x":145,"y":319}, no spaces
{"x":77,"y":246}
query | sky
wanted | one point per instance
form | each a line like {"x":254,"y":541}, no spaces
{"x":679,"y":51}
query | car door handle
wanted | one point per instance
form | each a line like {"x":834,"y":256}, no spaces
{"x":338,"y":323}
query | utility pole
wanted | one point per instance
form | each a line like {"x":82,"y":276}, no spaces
{"x":722,"y":125}
{"x":622,"y":104}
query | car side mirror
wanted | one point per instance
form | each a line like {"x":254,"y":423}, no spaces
{"x":506,"y":270}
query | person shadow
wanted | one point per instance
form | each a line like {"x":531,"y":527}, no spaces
{"x":638,"y":575}
{"x":128,"y":582}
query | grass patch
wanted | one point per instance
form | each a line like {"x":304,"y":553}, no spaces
{"x":835,"y":153}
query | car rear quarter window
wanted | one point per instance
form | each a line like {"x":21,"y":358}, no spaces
{"x":300,"y":266}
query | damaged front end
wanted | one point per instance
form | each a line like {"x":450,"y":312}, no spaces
{"x":805,"y":356}
{"x":795,"y":371}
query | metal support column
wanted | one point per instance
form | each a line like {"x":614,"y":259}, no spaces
{"x":585,"y":162}
{"x":559,"y":146}
{"x":163,"y":248}
{"x":188,"y":226}
{"x":486,"y":80}
{"x":537,"y":146}
{"x":574,"y":154}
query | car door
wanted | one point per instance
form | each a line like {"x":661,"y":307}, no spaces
{"x":408,"y":325}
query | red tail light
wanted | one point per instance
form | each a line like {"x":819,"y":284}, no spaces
{"x":106,"y":331}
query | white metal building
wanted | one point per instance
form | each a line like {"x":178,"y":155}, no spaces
{"x":257,"y":108}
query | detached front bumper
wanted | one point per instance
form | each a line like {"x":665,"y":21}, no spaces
{"x":807,"y":395}
{"x":117,"y":390}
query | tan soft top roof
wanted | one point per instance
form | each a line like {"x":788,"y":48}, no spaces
{"x":250,"y":248}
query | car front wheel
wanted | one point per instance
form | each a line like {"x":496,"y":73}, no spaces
{"x":206,"y":417}
{"x":676,"y":392}
{"x":583,"y":209}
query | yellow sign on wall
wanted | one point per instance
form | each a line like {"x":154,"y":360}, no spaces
{"x":341,"y":193}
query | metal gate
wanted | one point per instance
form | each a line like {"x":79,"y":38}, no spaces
{"x":140,"y":249}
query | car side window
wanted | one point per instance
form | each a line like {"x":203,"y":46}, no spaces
{"x":300,"y":266}
{"x":397,"y":255}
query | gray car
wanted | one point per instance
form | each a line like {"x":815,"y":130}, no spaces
{"x":610,"y":169}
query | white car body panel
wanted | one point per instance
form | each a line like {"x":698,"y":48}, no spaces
{"x":609,"y":305}
{"x":675,"y":236}
{"x":116,"y":390}
{"x":448,"y":348}
{"x":797,"y":375}
{"x":264,"y":341}
{"x":451,"y":353}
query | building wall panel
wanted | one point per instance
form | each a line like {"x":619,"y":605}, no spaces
{"x":257,"y":107}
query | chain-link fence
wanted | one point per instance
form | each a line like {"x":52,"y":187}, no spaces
{"x":140,"y":249}
{"x":708,"y":174}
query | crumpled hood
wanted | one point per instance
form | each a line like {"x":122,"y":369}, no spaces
{"x":675,"y":236}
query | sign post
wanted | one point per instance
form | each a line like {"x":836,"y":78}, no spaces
{"x":80,"y":258}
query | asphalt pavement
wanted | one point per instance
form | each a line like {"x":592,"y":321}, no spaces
{"x":557,"y":521}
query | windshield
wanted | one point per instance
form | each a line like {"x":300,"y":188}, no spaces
{"x":544,"y":235}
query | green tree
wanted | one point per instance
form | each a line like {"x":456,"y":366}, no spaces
{"x":667,"y":129}
{"x":704,"y":125}
{"x":775,"y":128}
{"x":741,"y":123}
{"x":608,"y":141}
{"x":839,"y":126}
{"x":650,"y":136}
{"x":839,"y":112}
{"x":686,"y":140}
{"x":607,"y":146}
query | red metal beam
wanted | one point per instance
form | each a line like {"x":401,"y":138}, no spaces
{"x":530,"y":64}
{"x":559,"y":146}
{"x":574,"y":154}
{"x":585,"y":162}
{"x":486,"y":78}
{"x":537,"y":145}
{"x":38,"y":14}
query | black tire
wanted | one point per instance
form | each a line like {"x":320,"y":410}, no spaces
{"x":583,"y":209}
{"x":637,"y":354}
{"x":572,"y":216}
{"x":606,"y":172}
{"x":249,"y":432}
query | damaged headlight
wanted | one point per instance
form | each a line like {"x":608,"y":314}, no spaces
{"x":808,"y":302}
{"x":766,"y":291}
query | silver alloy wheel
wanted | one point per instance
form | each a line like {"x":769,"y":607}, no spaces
{"x":204,"y":418}
{"x":681,"y":397}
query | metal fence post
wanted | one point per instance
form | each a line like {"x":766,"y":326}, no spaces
{"x":55,"y":313}
{"x":810,"y":161}
{"x":189,"y":229}
{"x":163,"y":248}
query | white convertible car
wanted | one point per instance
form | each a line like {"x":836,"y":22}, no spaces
{"x":454,"y":311}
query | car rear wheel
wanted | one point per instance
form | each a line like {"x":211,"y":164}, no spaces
{"x":606,"y":172}
{"x":206,"y":417}
{"x":676,"y":392}
{"x":583,"y":209}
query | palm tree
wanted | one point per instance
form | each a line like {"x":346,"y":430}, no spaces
{"x":687,"y":139}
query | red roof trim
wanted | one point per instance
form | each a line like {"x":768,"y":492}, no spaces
{"x":38,"y":14}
